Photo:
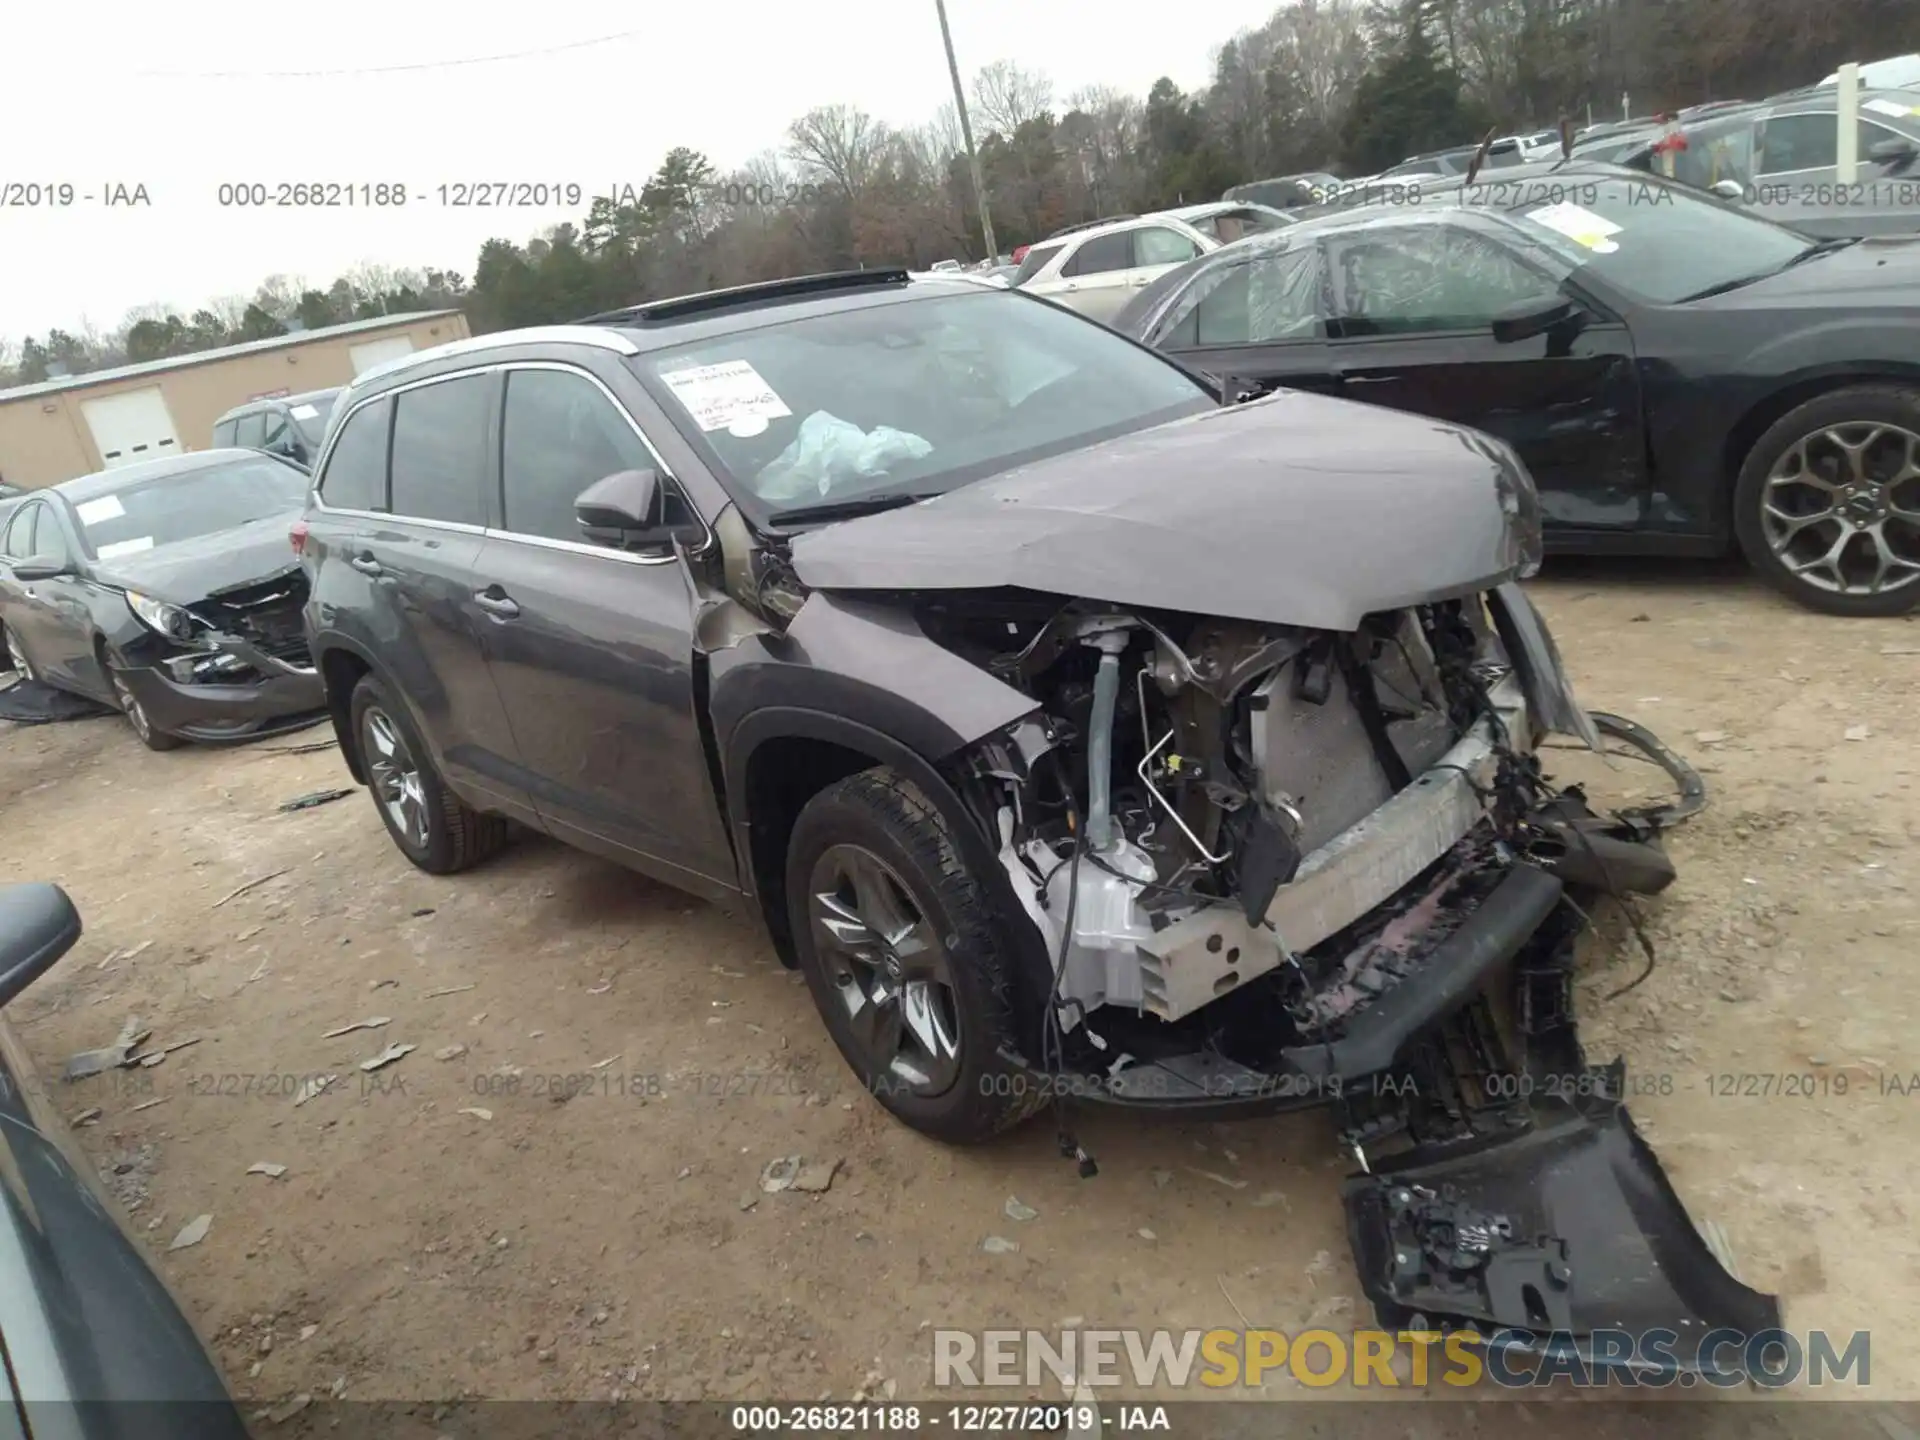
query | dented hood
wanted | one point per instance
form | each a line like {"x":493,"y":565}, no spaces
{"x":1295,"y":509}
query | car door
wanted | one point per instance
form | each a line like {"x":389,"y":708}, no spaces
{"x":18,"y":604}
{"x":1094,"y":278}
{"x":1260,"y":320}
{"x":390,"y":546}
{"x":591,"y":645}
{"x":47,"y":618}
{"x":1412,"y":329}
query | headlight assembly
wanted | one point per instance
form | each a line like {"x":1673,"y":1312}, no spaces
{"x":163,"y":619}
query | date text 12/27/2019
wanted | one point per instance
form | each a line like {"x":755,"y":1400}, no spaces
{"x":396,"y":195}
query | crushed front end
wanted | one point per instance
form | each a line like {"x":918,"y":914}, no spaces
{"x":1279,"y":867}
{"x":233,"y":666}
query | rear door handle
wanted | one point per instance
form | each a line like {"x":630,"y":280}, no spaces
{"x":367,"y":565}
{"x":496,"y":602}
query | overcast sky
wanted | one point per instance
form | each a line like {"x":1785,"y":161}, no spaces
{"x":179,"y":98}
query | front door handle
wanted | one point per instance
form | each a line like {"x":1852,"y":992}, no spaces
{"x":496,"y":602}
{"x":367,"y":565}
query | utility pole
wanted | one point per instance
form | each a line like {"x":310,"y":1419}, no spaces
{"x":966,"y":134}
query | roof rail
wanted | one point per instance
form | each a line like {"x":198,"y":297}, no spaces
{"x":691,"y":307}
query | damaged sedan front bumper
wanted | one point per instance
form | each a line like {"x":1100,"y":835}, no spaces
{"x":253,"y":696}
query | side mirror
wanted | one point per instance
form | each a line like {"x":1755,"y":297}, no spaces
{"x":41,"y":567}
{"x":626,"y":510}
{"x":1531,"y":318}
{"x":38,"y":925}
{"x":1895,"y":153}
{"x":1729,"y":190}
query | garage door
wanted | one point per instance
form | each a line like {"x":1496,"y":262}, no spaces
{"x":379,"y":352}
{"x":131,"y":427}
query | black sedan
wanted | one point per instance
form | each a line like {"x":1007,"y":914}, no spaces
{"x":94,"y":1344}
{"x":169,"y":590}
{"x":1680,"y":376}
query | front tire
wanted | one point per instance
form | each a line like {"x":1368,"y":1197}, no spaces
{"x":434,"y":828}
{"x":136,"y":714}
{"x":897,"y":941}
{"x":1827,"y":506}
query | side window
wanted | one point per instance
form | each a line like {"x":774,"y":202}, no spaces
{"x":356,"y":473}
{"x":251,"y":431}
{"x":1101,"y":255}
{"x":559,"y":434}
{"x":1725,"y":154}
{"x":279,"y":434}
{"x":1872,"y":134}
{"x":1799,"y":142}
{"x":224,"y":432}
{"x":49,"y":538}
{"x":1427,"y":278}
{"x":1033,"y":262}
{"x":1157,"y":245}
{"x":1257,"y":302}
{"x":440,"y":450}
{"x":20,"y":532}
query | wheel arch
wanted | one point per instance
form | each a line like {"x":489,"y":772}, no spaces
{"x":1793,"y":392}
{"x":341,"y":665}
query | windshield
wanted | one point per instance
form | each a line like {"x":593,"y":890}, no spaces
{"x":910,"y":398}
{"x":310,"y":413}
{"x":1658,"y":242}
{"x":172,"y":508}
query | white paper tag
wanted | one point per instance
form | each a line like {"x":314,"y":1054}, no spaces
{"x":1579,"y":225}
{"x":721,"y":396}
{"x":1888,"y":107}
{"x":126,"y":547}
{"x":107,"y":507}
{"x":303,"y":412}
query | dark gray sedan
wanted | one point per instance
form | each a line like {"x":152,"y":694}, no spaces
{"x":168,"y":590}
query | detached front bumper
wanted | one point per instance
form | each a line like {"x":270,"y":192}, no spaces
{"x":281,"y":698}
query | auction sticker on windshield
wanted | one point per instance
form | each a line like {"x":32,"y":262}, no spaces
{"x":728,"y":396}
{"x":1579,"y":225}
{"x":1888,"y":107}
{"x":304,"y":412}
{"x":107,"y":507}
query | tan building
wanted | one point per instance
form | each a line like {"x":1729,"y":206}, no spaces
{"x":75,"y":425}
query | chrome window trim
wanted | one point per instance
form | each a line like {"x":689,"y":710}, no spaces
{"x":501,"y":532}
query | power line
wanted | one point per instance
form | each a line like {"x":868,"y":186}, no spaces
{"x":382,"y":69}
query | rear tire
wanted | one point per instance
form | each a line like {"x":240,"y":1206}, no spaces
{"x":1802,"y":494}
{"x":433,"y":827}
{"x":137,"y":716}
{"x":949,"y":981}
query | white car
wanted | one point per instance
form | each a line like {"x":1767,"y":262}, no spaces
{"x":1099,"y":269}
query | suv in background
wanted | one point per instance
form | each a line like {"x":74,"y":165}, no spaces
{"x":1096,"y":270}
{"x":290,"y":426}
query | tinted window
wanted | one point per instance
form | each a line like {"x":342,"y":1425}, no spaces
{"x":172,"y":508}
{"x":1799,"y":142}
{"x":20,"y":533}
{"x":1157,"y":245}
{"x":252,"y":430}
{"x":356,"y":474}
{"x":560,"y":434}
{"x":440,"y":450}
{"x":1033,"y":262}
{"x":914,"y":397}
{"x":279,"y":436}
{"x":1274,"y":298}
{"x":1431,"y":277}
{"x":223,"y":434}
{"x":1102,"y":255}
{"x":49,"y":539}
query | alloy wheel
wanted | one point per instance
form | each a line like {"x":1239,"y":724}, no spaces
{"x":395,"y":776}
{"x":1841,"y":508}
{"x":130,"y":707}
{"x":890,"y":970}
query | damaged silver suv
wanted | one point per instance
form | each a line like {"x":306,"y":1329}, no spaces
{"x":1078,"y":734}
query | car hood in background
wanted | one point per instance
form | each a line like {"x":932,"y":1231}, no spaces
{"x":188,"y":572}
{"x":1295,"y":509}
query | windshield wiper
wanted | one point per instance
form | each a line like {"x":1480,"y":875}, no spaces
{"x":1724,"y":286}
{"x":1823,"y":247}
{"x":1812,"y":252}
{"x":846,"y":509}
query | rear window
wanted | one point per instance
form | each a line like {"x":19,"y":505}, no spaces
{"x":356,"y":473}
{"x":440,"y":450}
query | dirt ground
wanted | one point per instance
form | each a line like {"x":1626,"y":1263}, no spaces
{"x":449,"y":1227}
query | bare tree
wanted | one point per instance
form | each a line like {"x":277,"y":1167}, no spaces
{"x":1006,"y":96}
{"x":840,"y":143}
